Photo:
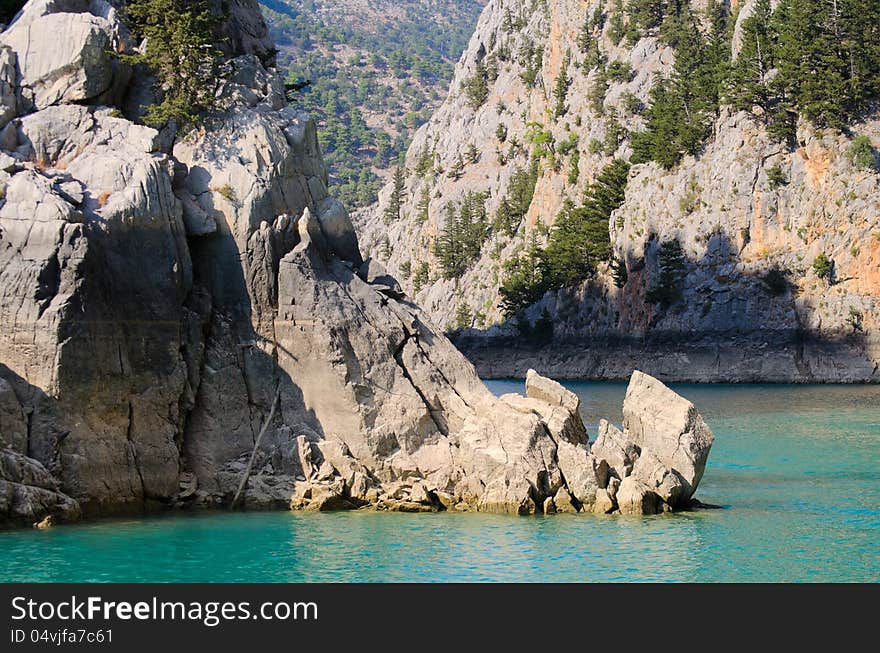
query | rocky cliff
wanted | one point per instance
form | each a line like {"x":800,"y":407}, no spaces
{"x":186,"y":314}
{"x":751,"y":216}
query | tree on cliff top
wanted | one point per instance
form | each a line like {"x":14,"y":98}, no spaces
{"x":180,"y":48}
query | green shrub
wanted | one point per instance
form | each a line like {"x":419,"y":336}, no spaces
{"x":228,"y":193}
{"x":776,"y":177}
{"x":823,"y":266}
{"x":862,"y":153}
{"x":855,"y":320}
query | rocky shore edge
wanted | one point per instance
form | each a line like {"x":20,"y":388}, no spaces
{"x":687,"y":358}
{"x":652,"y":466}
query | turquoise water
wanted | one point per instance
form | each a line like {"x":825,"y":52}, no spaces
{"x":797,"y":470}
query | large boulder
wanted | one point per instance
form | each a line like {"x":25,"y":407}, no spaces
{"x":63,"y":58}
{"x":667,"y":425}
{"x":29,"y":493}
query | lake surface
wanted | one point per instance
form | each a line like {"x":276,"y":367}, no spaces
{"x":797,"y":470}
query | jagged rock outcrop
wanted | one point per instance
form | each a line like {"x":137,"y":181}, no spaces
{"x":744,"y":208}
{"x":166,"y":299}
{"x":660,"y":422}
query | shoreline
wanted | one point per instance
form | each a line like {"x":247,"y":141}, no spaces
{"x":205,"y":511}
{"x":814,"y":363}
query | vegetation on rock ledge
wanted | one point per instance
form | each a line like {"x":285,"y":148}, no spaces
{"x":181,"y":51}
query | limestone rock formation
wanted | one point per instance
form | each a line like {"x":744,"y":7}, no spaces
{"x":165,"y":298}
{"x":29,"y":494}
{"x":668,"y":426}
{"x":745,"y":208}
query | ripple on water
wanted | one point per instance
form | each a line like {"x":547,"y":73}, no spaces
{"x":796,"y":468}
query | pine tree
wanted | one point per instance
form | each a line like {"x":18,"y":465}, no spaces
{"x":574,"y":172}
{"x":420,"y":277}
{"x":585,"y":38}
{"x":424,"y":205}
{"x":684,"y":105}
{"x":560,"y":91}
{"x":464,"y":317}
{"x":667,"y":290}
{"x":515,"y":205}
{"x":476,"y":87}
{"x":810,"y":64}
{"x":463,"y":235}
{"x":828,"y":59}
{"x":180,"y":49}
{"x":580,"y":238}
{"x":645,"y":14}
{"x":619,"y":272}
{"x":524,"y":280}
{"x":616,"y":25}
{"x":395,"y":202}
{"x":457,"y":169}
{"x":748,"y":85}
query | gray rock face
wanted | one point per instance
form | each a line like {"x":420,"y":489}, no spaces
{"x":30,"y":494}
{"x":669,"y":427}
{"x":13,"y":422}
{"x":162,"y":306}
{"x":62,"y":57}
{"x":733,"y":221}
{"x":245,"y":30}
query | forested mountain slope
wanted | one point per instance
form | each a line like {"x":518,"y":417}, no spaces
{"x":689,"y":184}
{"x":378,"y":69}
